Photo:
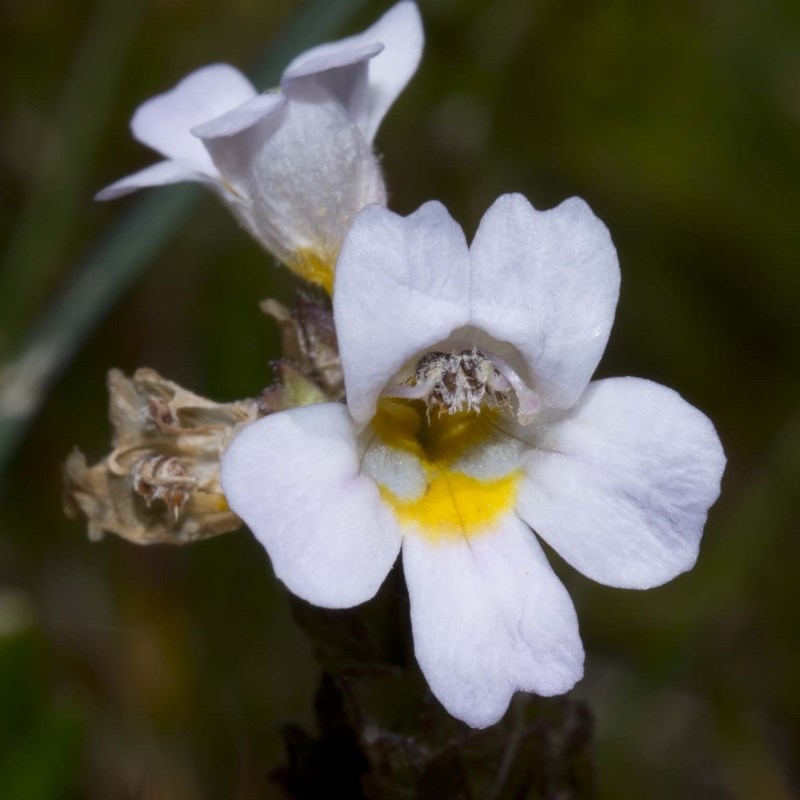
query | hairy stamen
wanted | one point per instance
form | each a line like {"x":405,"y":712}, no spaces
{"x":464,"y":381}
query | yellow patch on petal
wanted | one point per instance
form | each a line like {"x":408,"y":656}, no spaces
{"x":453,"y":503}
{"x":314,"y":267}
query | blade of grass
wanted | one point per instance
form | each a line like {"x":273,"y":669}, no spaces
{"x":107,"y":273}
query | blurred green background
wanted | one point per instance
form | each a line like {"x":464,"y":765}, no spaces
{"x":167,"y":673}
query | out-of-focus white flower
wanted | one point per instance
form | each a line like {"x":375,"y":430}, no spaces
{"x":295,"y":165}
{"x":470,"y":419}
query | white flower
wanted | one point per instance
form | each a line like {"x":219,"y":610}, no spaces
{"x":294,"y":165}
{"x":470,"y":420}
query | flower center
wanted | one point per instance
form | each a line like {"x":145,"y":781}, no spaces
{"x":460,"y":477}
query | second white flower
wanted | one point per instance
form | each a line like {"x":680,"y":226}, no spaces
{"x":294,"y":165}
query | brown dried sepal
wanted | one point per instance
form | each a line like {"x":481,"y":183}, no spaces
{"x":308,"y":340}
{"x":160,"y":483}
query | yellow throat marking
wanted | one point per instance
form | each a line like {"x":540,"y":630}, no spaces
{"x":453,"y":504}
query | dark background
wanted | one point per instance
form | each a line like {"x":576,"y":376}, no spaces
{"x":167,"y":673}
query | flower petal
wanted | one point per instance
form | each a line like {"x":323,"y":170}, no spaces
{"x":234,"y":141}
{"x":241,"y":117}
{"x":164,"y":122}
{"x":159,"y":174}
{"x":293,"y":477}
{"x":621,"y":487}
{"x":399,"y":30}
{"x":490,"y":617}
{"x":304,"y":173}
{"x":548,"y":282}
{"x":325,"y":57}
{"x":342,"y":72}
{"x":402,"y":284}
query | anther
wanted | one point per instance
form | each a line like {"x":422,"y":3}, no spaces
{"x":466,"y":381}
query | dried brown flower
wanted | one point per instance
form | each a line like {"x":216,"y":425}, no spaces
{"x":160,"y":483}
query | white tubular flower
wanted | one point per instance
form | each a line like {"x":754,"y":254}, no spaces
{"x":470,"y":420}
{"x":295,"y":165}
